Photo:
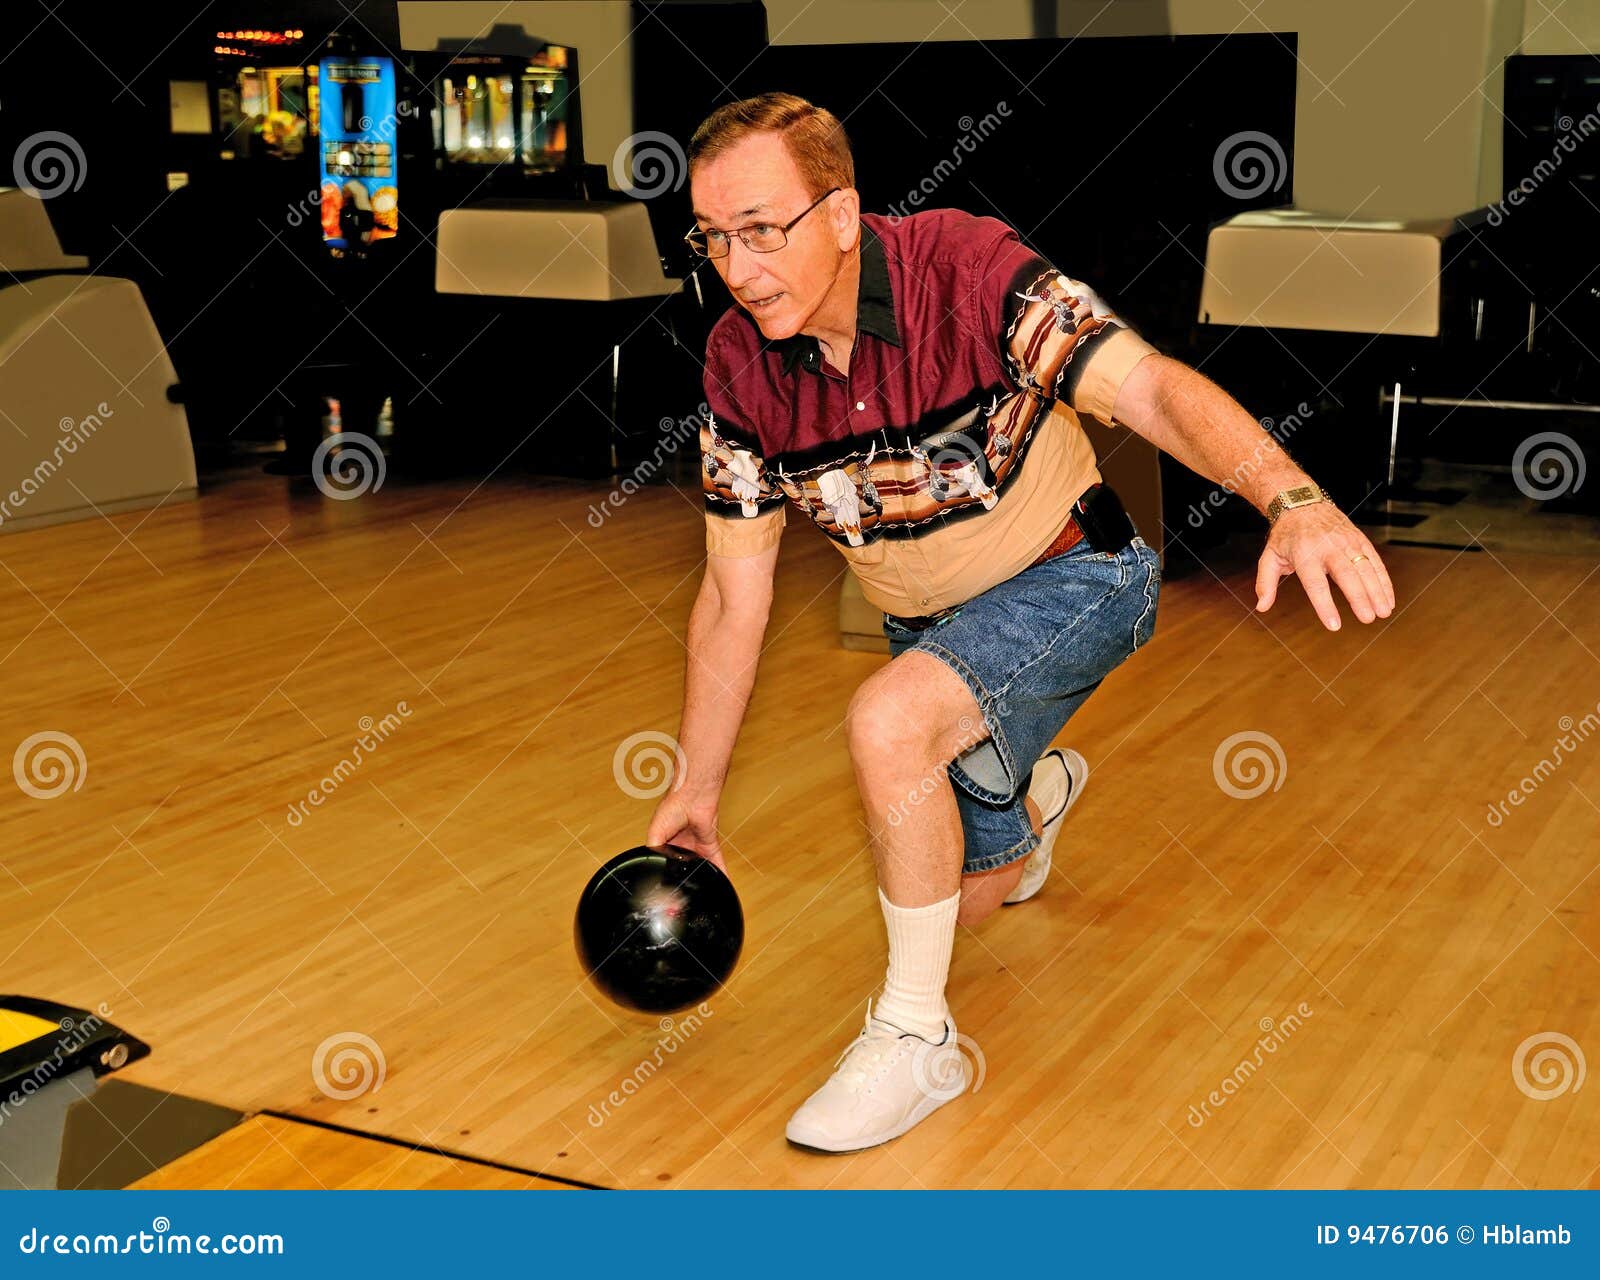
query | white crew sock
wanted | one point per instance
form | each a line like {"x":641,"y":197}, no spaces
{"x":920,"y":942}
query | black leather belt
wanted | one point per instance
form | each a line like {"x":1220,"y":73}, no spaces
{"x":923,"y":622}
{"x":1097,"y":517}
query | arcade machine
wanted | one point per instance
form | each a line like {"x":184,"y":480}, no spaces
{"x":500,"y":110}
{"x":233,"y":186}
{"x":344,"y":385}
{"x":553,"y":324}
{"x":265,"y":98}
{"x":357,"y":178}
{"x":542,"y":342}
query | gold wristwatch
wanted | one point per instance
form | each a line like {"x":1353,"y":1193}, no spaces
{"x":1301,"y":496}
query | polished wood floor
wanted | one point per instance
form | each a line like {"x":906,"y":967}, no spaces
{"x":269,"y":1153}
{"x":399,"y":959}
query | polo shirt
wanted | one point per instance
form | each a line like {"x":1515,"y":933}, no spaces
{"x":949,"y":456}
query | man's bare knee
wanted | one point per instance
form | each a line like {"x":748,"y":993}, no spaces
{"x":920,"y":713}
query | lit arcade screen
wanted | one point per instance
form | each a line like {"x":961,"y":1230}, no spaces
{"x":360,"y":192}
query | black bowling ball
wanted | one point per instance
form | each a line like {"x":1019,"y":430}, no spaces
{"x":658,"y":928}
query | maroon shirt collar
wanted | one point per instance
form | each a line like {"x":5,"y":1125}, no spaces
{"x":875,"y":313}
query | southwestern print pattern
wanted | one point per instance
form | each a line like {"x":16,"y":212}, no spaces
{"x":893,"y":483}
{"x":733,"y":472}
{"x":1052,"y":332}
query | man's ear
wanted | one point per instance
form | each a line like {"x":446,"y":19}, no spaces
{"x":847,"y":218}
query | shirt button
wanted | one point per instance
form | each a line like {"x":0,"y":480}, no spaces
{"x":861,"y":404}
{"x":924,"y":599}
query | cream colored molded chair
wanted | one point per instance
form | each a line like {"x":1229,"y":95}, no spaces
{"x":87,"y":426}
{"x":1296,"y":269}
{"x":1290,"y":269}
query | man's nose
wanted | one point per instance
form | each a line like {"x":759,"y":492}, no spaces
{"x":740,"y":265}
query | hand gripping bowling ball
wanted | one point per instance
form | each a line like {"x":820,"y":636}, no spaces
{"x":658,"y":928}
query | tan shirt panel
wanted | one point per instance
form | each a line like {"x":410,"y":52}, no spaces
{"x":955,"y":562}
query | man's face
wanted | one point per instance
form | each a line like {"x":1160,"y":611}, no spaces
{"x":756,"y":182}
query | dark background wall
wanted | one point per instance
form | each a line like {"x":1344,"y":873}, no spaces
{"x":1103,"y":160}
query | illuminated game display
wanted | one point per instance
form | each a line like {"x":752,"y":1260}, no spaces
{"x":266,"y":97}
{"x":360,"y":192}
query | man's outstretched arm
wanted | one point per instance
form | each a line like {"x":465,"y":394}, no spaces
{"x":1182,"y":412}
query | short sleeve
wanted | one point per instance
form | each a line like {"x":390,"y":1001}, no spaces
{"x":1055,"y":335}
{"x":744,"y":504}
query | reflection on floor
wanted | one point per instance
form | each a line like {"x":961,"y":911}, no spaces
{"x":1457,"y":505}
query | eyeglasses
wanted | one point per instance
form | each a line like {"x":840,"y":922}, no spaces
{"x":758,"y":237}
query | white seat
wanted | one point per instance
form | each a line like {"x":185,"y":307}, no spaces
{"x":578,"y":250}
{"x":1293,"y":269}
{"x":84,"y":377}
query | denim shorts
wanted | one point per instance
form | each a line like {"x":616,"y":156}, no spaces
{"x":1032,"y":649}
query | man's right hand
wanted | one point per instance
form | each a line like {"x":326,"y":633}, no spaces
{"x":689,"y":826}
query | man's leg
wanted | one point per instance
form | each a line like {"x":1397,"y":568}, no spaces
{"x":908,"y":789}
{"x":905,"y":724}
{"x":982,"y":892}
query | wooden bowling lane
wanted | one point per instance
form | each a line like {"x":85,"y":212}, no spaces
{"x":398,"y":959}
{"x":276,"y":1153}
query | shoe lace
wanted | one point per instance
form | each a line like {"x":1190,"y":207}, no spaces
{"x":863,"y":1058}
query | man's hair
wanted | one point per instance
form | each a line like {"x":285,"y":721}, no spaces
{"x":814,"y":136}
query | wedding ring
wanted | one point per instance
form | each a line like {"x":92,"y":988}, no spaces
{"x":1357,"y":559}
